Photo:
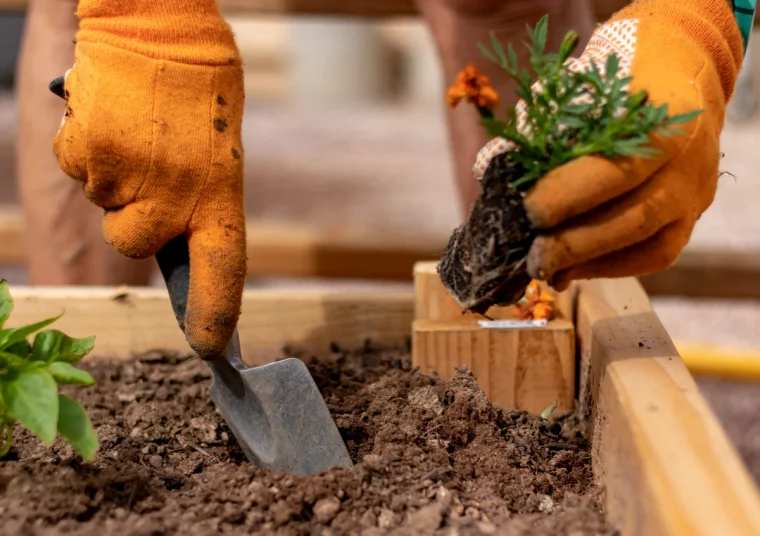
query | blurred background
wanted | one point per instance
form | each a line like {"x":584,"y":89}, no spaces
{"x":344,"y":127}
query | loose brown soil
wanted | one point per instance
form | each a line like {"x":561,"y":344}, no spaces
{"x":433,"y":457}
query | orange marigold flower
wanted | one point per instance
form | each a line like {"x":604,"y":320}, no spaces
{"x":537,"y":304}
{"x":474,"y":87}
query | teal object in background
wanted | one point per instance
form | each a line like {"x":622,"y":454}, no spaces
{"x":744,"y":11}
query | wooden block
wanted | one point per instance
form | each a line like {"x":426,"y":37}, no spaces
{"x":666,"y":464}
{"x":433,"y":301}
{"x":529,"y":369}
{"x":126,"y":321}
{"x":526,"y":368}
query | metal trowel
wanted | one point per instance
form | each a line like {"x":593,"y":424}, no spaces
{"x":275,"y":411}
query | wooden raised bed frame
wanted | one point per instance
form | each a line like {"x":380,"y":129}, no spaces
{"x":278,"y":249}
{"x":665,"y":462}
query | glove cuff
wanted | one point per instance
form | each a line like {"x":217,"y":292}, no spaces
{"x":186,"y":31}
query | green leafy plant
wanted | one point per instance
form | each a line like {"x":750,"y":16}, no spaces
{"x":573,"y":114}
{"x":30,"y":374}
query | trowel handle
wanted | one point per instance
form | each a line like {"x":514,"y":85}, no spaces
{"x":174,"y":263}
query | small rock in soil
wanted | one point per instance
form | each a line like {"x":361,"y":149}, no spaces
{"x":326,"y":509}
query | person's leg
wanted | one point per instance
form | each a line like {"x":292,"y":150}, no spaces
{"x":63,"y":229}
{"x":458,"y":25}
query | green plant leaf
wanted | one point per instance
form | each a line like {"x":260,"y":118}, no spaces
{"x":611,"y":68}
{"x":12,"y":361}
{"x":487,"y":53}
{"x":21,"y":349}
{"x":31,"y":397}
{"x":548,"y":411}
{"x":9,"y":337}
{"x":575,"y":113}
{"x":54,"y":345}
{"x":683,"y":118}
{"x":568,"y":45}
{"x":6,"y":302}
{"x":495,"y":127}
{"x":499,"y":50}
{"x":75,"y":426}
{"x":68,"y":374}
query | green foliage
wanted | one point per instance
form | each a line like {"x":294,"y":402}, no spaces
{"x":560,"y":125}
{"x":29,"y":378}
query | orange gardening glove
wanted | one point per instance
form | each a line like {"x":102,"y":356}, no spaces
{"x":152,"y":129}
{"x":601,"y":218}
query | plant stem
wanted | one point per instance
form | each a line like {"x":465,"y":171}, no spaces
{"x":7,"y":429}
{"x":485,"y":113}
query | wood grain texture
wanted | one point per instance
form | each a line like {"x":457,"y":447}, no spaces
{"x":128,"y":321}
{"x":433,"y":301}
{"x":529,"y":369}
{"x":667,"y":465}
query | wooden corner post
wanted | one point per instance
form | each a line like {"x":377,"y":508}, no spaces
{"x":528,"y":368}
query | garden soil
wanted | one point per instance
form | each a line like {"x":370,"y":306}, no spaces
{"x":432,"y":457}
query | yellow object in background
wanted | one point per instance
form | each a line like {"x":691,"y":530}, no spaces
{"x":722,"y":361}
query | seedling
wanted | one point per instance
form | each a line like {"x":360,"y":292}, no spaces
{"x":568,"y":114}
{"x":30,"y":374}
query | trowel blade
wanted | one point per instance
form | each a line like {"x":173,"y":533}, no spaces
{"x":277,"y":414}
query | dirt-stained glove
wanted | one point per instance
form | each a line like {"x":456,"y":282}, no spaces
{"x":632,"y":216}
{"x":153,"y":130}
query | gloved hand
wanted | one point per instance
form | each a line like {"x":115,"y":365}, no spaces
{"x":601,"y":218}
{"x":153,"y":130}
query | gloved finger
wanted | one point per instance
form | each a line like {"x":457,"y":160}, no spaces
{"x":70,"y":143}
{"x":589,"y":181}
{"x":138,"y":230}
{"x":652,"y":255}
{"x":217,"y":277}
{"x":623,"y":222}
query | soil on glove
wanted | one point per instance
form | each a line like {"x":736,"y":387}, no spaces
{"x":432,"y":457}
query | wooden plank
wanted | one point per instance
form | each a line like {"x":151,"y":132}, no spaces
{"x":713,"y":273}
{"x":292,"y":250}
{"x":301,"y":250}
{"x":127,"y":321}
{"x":667,"y":465}
{"x":527,"y":368}
{"x":304,"y":251}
